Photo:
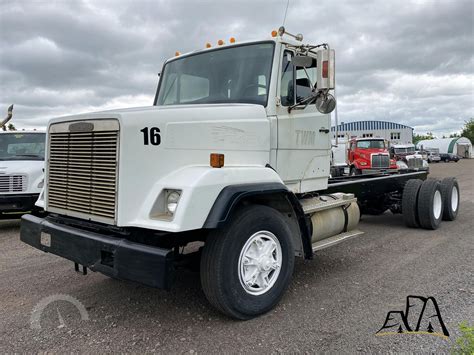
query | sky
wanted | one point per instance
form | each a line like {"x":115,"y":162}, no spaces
{"x":409,"y":61}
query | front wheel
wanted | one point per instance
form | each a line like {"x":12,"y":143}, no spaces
{"x":247,"y":266}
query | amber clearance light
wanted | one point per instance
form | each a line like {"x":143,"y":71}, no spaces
{"x":217,"y":160}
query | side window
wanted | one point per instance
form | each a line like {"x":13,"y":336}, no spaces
{"x":287,"y":80}
{"x":304,"y":80}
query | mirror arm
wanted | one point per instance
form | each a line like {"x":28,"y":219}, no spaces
{"x":304,"y":102}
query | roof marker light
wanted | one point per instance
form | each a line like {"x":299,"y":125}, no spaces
{"x":232,"y":40}
{"x":274,"y":33}
{"x":208,"y":45}
{"x":176,"y":54}
{"x":220,"y":42}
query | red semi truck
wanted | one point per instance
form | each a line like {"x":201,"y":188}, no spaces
{"x":368,"y":156}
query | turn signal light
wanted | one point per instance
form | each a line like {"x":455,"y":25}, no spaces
{"x":232,"y":40}
{"x":217,"y":160}
{"x":274,"y":33}
{"x":220,"y":42}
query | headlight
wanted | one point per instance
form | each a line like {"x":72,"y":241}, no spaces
{"x":402,"y":165}
{"x":425,"y":164}
{"x":172,"y":200}
{"x":363,"y":163}
{"x":41,"y":184}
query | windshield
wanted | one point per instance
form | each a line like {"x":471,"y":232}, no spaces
{"x":229,"y":75}
{"x":22,"y":146}
{"x":371,"y":144}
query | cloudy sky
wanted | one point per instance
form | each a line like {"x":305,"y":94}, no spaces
{"x":404,"y":61}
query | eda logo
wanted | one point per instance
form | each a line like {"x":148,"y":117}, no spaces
{"x":421,"y":316}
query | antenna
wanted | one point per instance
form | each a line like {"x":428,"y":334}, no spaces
{"x":286,"y":10}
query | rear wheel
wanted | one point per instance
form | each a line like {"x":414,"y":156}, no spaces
{"x":451,"y":195}
{"x":430,"y":204}
{"x":247,"y":266}
{"x":410,"y":203}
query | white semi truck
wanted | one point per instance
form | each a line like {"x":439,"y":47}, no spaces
{"x":234,"y":154}
{"x":21,"y":170}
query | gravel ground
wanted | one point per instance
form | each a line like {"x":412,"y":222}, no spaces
{"x":335,"y":303}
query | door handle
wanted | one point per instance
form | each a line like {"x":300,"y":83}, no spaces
{"x":324,"y":130}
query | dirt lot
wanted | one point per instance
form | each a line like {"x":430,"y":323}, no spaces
{"x":335,"y":303}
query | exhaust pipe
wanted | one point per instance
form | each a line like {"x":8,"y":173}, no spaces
{"x":3,"y":124}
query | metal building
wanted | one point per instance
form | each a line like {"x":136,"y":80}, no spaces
{"x":461,"y":146}
{"x":394,"y":132}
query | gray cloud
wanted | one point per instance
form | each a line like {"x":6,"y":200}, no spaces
{"x":410,"y":62}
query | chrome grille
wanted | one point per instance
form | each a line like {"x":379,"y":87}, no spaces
{"x":415,"y":163}
{"x":13,"y":183}
{"x":82,"y":171}
{"x":380,"y":161}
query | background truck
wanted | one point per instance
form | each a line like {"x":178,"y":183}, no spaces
{"x":406,"y":154}
{"x":21,"y":170}
{"x":233,"y":158}
{"x":368,"y":156}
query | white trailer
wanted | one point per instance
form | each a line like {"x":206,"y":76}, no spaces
{"x":234,"y":153}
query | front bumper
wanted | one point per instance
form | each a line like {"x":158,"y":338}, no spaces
{"x":17,"y":203}
{"x":112,"y":256}
{"x":378,"y":171}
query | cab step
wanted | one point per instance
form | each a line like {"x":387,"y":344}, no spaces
{"x":338,"y":238}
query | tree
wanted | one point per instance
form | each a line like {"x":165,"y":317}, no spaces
{"x":468,"y":130}
{"x":11,"y":127}
{"x":421,"y":137}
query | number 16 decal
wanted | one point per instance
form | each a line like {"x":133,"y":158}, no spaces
{"x":151,"y":136}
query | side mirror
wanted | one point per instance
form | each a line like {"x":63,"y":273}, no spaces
{"x":325,"y":103}
{"x":302,"y":61}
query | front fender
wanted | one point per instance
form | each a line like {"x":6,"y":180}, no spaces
{"x":200,"y":186}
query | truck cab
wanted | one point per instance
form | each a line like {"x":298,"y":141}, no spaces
{"x":21,"y":171}
{"x":234,"y":155}
{"x":368,"y":156}
{"x":407,"y":157}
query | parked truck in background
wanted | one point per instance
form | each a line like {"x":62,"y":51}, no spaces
{"x":21,"y":170}
{"x":406,"y":154}
{"x":234,"y":154}
{"x":368,"y":156}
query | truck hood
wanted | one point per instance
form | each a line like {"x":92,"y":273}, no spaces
{"x":156,"y":143}
{"x":20,"y":166}
{"x":32,"y":169}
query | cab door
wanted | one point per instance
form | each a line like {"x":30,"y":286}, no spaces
{"x":304,"y":144}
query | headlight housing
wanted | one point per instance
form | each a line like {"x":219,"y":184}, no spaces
{"x":402,"y":165}
{"x":172,"y":200}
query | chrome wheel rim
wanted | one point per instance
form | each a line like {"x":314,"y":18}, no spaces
{"x":260,"y":263}
{"x":437,"y":204}
{"x":454,"y":199}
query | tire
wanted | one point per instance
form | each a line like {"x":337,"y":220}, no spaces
{"x":451,"y":198}
{"x":430,"y":204}
{"x":446,"y":160}
{"x":410,"y":203}
{"x":223,"y":260}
